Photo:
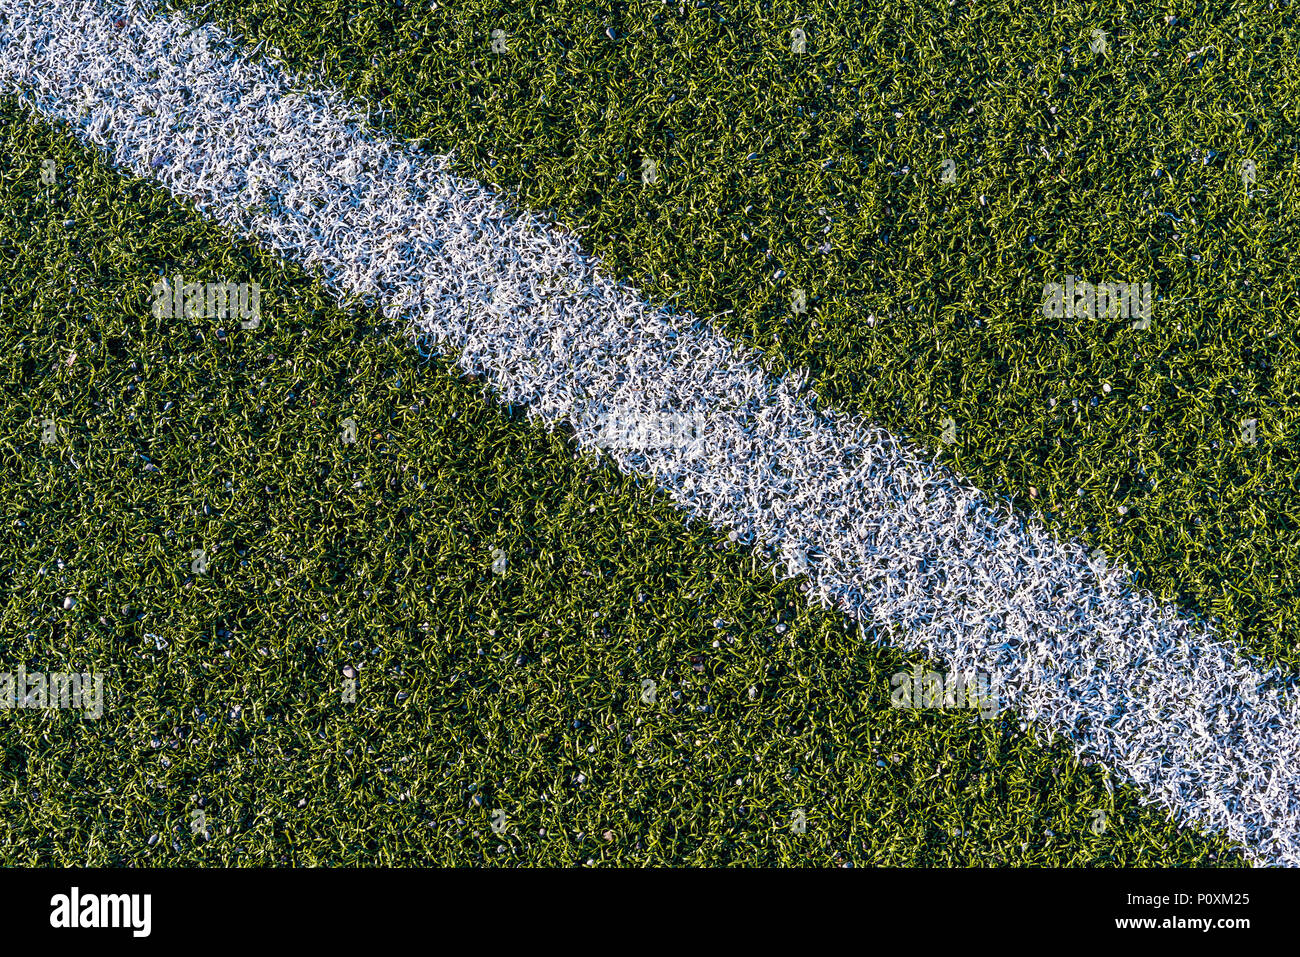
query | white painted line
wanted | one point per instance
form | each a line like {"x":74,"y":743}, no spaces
{"x":887,"y":535}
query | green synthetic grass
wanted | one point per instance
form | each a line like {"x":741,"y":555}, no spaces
{"x":475,"y":691}
{"x":1118,"y":167}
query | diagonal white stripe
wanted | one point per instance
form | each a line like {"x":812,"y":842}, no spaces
{"x":890,"y":537}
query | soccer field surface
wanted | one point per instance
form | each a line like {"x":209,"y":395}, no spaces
{"x":471,"y":434}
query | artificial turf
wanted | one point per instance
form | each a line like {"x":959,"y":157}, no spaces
{"x":780,"y":169}
{"x":476,"y":691}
